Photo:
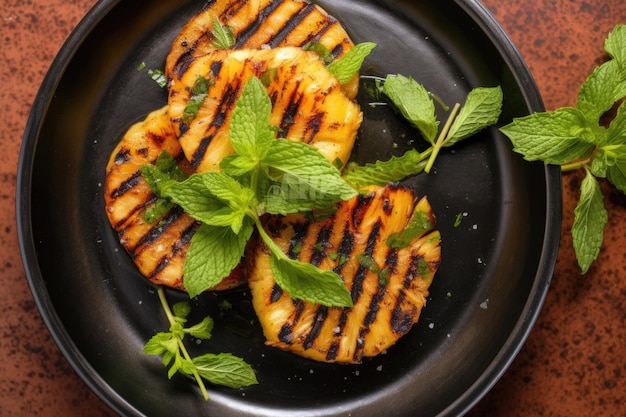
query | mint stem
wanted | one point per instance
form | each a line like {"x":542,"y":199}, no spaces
{"x":171,"y":319}
{"x":442,"y":138}
{"x":572,"y":166}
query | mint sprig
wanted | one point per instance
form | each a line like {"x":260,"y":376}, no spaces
{"x":578,"y":138}
{"x":265,"y":175}
{"x":349,"y":65}
{"x":219,"y":369}
{"x":481,"y":109}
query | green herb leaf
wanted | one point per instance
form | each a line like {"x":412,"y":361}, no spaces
{"x":224,"y":35}
{"x":615,"y":44}
{"x":225,"y":369}
{"x":610,"y":162}
{"x":349,"y":65}
{"x":380,"y":173}
{"x":553,"y":137}
{"x":214,"y":252}
{"x":414,"y":103}
{"x":482,"y":108}
{"x":158,"y":210}
{"x":199,"y":93}
{"x":202,"y":330}
{"x":250,"y":132}
{"x":322,"y":51}
{"x":420,"y":223}
{"x":305,"y":176}
{"x":181,"y":311}
{"x":192,"y":195}
{"x":304,"y":281}
{"x":590,"y":218}
{"x":602,"y":89}
{"x":158,"y":76}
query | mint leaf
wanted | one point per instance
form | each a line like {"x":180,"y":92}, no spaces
{"x":238,"y":199}
{"x":414,"y":103}
{"x":250,"y":132}
{"x":199,"y":93}
{"x":158,"y":210}
{"x":552,"y":137}
{"x":482,"y":108}
{"x":192,"y":195}
{"x":304,"y":281}
{"x":616,"y":132}
{"x":303,"y":170}
{"x":615,"y":44}
{"x":161,"y":343}
{"x":322,"y":51}
{"x":590,"y":218}
{"x":349,"y":65}
{"x":214,"y":252}
{"x":201,"y":330}
{"x":603,"y":88}
{"x":224,"y":35}
{"x":225,"y":369}
{"x":610,"y":162}
{"x":382,"y":172}
{"x":420,"y":223}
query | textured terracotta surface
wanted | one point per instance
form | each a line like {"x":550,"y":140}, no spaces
{"x":573,"y":361}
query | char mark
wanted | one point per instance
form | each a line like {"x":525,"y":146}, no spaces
{"x":127,"y":185}
{"x":291,"y":23}
{"x":156,"y":232}
{"x":357,"y":284}
{"x":318,"y":323}
{"x":247,"y":32}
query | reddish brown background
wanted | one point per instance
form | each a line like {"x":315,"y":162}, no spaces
{"x":573,"y":363}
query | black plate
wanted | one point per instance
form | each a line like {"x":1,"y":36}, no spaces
{"x":496,"y":266}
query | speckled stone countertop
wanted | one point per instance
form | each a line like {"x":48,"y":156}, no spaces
{"x":573,"y":363}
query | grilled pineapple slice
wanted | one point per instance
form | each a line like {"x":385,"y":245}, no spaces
{"x":261,"y":24}
{"x":159,"y":248}
{"x":308,"y":104}
{"x":389,"y":284}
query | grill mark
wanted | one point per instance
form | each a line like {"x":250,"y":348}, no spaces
{"x":231,"y":9}
{"x":122,"y":156}
{"x":228,"y":98}
{"x":374,"y":307}
{"x":338,"y":50}
{"x":127,"y":185}
{"x":291,"y":111}
{"x":360,"y":208}
{"x":313,"y":126}
{"x":291,"y":23}
{"x":320,"y":317}
{"x":346,"y":246}
{"x":119,"y":225}
{"x":402,"y":321}
{"x":181,"y":242}
{"x":277,"y":292}
{"x":154,"y":233}
{"x":355,"y":291}
{"x":357,"y":283}
{"x":249,"y":31}
{"x":286,"y":334}
{"x":334,"y":346}
{"x":321,"y":244}
{"x":295,"y":243}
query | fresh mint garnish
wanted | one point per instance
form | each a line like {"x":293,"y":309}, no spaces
{"x":481,"y":109}
{"x":264,"y":175}
{"x":578,"y":138}
{"x":224,"y":36}
{"x":346,"y":67}
{"x":220,"y":369}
